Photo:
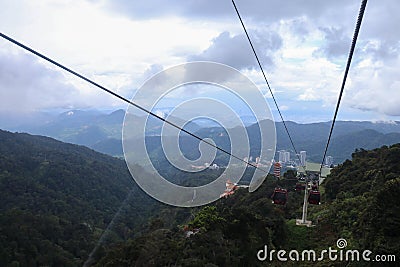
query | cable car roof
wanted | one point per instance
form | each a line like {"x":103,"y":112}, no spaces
{"x":312,"y":167}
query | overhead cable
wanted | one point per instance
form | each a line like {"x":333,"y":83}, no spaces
{"x":122,"y":98}
{"x":350,"y":57}
{"x":266,"y":80}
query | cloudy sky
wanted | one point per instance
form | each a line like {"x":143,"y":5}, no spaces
{"x":302,"y":44}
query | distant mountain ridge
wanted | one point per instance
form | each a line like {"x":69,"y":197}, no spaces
{"x":102,"y":132}
{"x":347,"y":136}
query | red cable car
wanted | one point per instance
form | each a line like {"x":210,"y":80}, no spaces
{"x":314,"y":187}
{"x":279,"y":196}
{"x":300,"y":187}
{"x":314,"y":197}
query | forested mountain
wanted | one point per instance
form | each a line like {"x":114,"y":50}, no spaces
{"x":359,"y":203}
{"x":102,"y":132}
{"x":57,"y":200}
{"x":80,"y":127}
{"x":364,"y":200}
{"x":312,"y":138}
{"x":347,"y":136}
{"x":230,"y":232}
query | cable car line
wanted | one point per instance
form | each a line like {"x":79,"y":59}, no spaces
{"x":122,"y":98}
{"x":314,"y":194}
{"x":355,"y":37}
{"x":350,"y":57}
{"x":266,"y":80}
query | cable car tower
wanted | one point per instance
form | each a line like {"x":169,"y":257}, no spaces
{"x":303,"y":220}
{"x":314,"y":177}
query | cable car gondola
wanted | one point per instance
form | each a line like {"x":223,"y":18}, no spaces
{"x":300,"y":187}
{"x":314,"y":197}
{"x":314,"y":186}
{"x":279,"y":196}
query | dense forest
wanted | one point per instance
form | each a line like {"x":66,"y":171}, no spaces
{"x":360,"y":204}
{"x":57,"y":200}
{"x":67,"y":205}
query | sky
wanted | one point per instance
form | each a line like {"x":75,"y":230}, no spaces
{"x":302,"y":45}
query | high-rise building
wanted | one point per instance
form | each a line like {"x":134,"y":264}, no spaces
{"x":283,"y":156}
{"x":287,"y":156}
{"x":303,"y":158}
{"x":329,"y":161}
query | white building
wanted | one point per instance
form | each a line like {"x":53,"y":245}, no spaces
{"x":214,"y":167}
{"x":329,"y":161}
{"x":281,"y":156}
{"x":287,"y":156}
{"x":303,"y":158}
{"x":284,"y":156}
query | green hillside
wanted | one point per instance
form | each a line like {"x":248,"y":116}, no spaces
{"x":57,"y":199}
{"x":359,"y":203}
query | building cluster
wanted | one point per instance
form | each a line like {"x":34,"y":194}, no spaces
{"x":284,"y":156}
{"x":299,"y":160}
{"x":256,"y":161}
{"x":213,"y":166}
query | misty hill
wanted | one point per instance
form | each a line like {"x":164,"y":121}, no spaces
{"x":319,"y":131}
{"x":57,"y":199}
{"x":342,"y":146}
{"x":347,"y":137}
{"x":94,"y":129}
{"x":81,"y":127}
{"x":102,"y":132}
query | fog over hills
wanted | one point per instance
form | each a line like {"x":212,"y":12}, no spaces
{"x":103,"y":132}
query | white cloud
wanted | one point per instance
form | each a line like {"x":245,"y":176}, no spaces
{"x":120,"y":43}
{"x":284,"y":107}
{"x":26,"y":85}
{"x":235,"y":50}
{"x":376,"y":87}
{"x":309,"y":95}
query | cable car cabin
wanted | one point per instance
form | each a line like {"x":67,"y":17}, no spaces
{"x":314,"y":186}
{"x":300,"y":187}
{"x":279,"y":196}
{"x":314,"y":197}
